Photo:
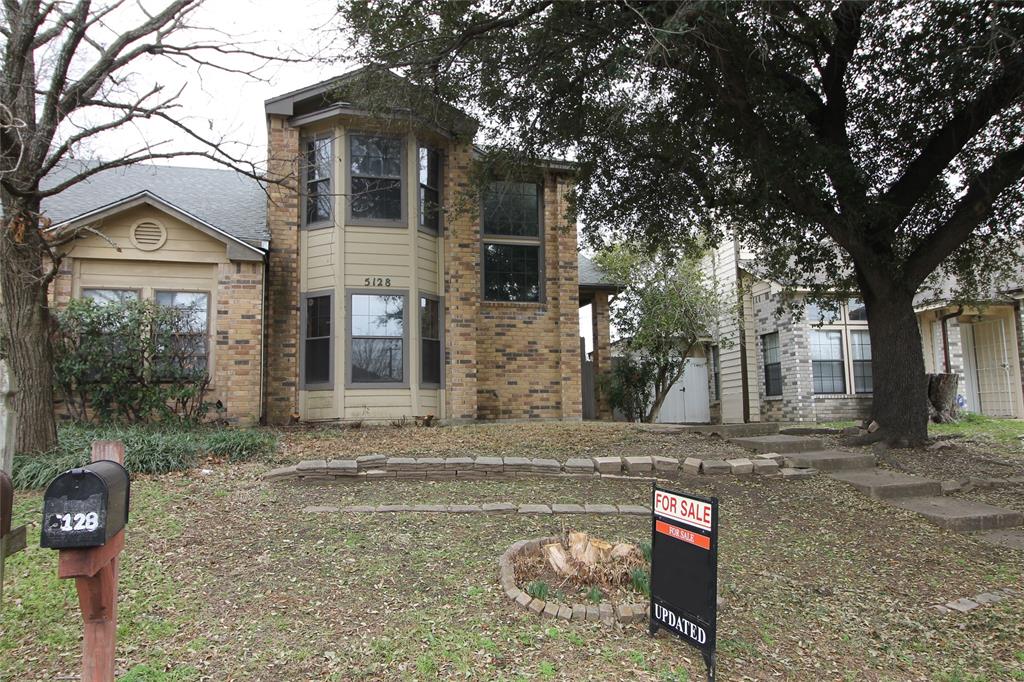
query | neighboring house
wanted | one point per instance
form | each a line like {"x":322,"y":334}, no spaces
{"x":688,"y":400}
{"x":817,"y":366}
{"x":360,"y":288}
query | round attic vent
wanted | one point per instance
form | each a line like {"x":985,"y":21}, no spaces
{"x":148,"y":235}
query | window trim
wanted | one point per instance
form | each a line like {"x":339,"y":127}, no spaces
{"x":211,"y":342}
{"x":303,"y":384}
{"x":406,"y":333}
{"x":303,"y":194}
{"x":440,"y":191}
{"x":512,"y":240}
{"x":440,"y":331}
{"x":402,"y":221}
{"x":765,"y":364}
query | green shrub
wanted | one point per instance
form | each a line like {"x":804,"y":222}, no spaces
{"x":629,"y":387}
{"x":148,"y":450}
{"x":641,"y":581}
{"x":132,"y":361}
{"x":594,"y":595}
{"x":239,"y":445}
{"x":537,"y":589}
{"x":645,"y":548}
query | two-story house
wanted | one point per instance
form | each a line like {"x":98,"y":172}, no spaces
{"x":381,"y":276}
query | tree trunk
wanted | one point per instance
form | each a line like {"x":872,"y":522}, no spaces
{"x":900,"y":404}
{"x":25,"y":330}
{"x":942,"y":397}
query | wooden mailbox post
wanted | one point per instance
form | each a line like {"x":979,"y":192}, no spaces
{"x":93,"y":564}
{"x":11,"y":541}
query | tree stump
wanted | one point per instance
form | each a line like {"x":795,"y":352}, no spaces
{"x":942,"y":391}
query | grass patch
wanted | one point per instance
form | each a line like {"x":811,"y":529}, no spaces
{"x":970,"y":424}
{"x":148,"y":450}
{"x":537,"y":589}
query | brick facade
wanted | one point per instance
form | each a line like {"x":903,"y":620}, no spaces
{"x":282,"y":272}
{"x":602,"y":355}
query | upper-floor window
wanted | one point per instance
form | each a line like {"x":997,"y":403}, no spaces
{"x":375,"y":179}
{"x":317,"y":166}
{"x":430,"y":190}
{"x":512,"y":242}
{"x":772,"y":364}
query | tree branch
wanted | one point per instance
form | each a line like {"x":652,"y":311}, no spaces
{"x":975,"y":206}
{"x":946,"y":142}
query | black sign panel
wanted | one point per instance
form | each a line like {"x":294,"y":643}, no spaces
{"x":684,"y":568}
{"x":85,"y":507}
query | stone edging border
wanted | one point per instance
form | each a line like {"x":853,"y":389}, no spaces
{"x":486,"y":508}
{"x":605,"y":612}
{"x":376,"y":467}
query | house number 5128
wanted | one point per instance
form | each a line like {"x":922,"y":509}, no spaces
{"x":377,"y":281}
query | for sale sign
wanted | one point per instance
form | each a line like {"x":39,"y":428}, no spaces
{"x":684,"y":569}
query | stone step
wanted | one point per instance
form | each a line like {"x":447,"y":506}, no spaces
{"x":1013,"y":539}
{"x":958,"y":514}
{"x":831,"y":460}
{"x":779,"y":443}
{"x":735,"y":430}
{"x":883,"y":484}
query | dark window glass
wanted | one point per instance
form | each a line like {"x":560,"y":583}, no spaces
{"x":860,"y":350}
{"x":376,"y":177}
{"x":512,"y":209}
{"x":317,"y":166}
{"x":511,"y":272}
{"x":430,"y":339}
{"x":772,"y":364}
{"x":430,"y":189}
{"x":716,"y":373}
{"x":378,"y":338}
{"x":856,"y":310}
{"x":317,"y":356}
{"x":827,"y":361}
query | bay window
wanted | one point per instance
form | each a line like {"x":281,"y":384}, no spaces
{"x":377,"y":339}
{"x":375,"y":180}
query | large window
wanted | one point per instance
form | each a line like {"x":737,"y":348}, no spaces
{"x":190,"y":345}
{"x":377,"y":339}
{"x":375,"y":179}
{"x":827,"y":361}
{"x":772,"y":364}
{"x":317,"y":337}
{"x":512,"y":242}
{"x":430,"y":341}
{"x":860,"y":350}
{"x":318,"y":163}
{"x":430,"y":190}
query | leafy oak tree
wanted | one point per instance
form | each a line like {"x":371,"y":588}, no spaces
{"x":853,"y":145}
{"x":73,"y":72}
{"x":666,"y":309}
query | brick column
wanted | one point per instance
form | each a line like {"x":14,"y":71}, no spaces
{"x":602,"y":356}
{"x":566,"y":299}
{"x":282,"y":272}
{"x":461,"y":286}
{"x":239,"y":313}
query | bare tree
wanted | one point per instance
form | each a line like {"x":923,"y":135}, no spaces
{"x":70,"y":74}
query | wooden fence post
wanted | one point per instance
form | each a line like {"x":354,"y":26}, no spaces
{"x":11,"y":541}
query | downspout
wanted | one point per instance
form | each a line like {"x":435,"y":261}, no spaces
{"x":263,"y":337}
{"x":945,"y":335}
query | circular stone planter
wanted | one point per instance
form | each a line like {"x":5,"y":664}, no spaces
{"x":605,"y":612}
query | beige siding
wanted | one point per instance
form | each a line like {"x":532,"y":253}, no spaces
{"x":184,"y":243}
{"x":723,"y":267}
{"x":317,"y":405}
{"x":426,"y":263}
{"x":373,"y":404}
{"x":318,"y":248}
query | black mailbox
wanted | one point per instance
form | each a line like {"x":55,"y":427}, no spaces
{"x":85,"y":507}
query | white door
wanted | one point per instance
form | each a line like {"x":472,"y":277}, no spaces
{"x":688,"y":401}
{"x":992,"y":365}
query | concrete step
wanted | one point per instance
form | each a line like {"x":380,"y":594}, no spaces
{"x":831,"y":460}
{"x":883,"y":484}
{"x":735,"y":430}
{"x":779,"y":443}
{"x":1012,"y":539}
{"x":958,"y":514}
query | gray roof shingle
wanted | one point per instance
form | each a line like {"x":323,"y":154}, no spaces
{"x":591,"y":275}
{"x":224,"y":198}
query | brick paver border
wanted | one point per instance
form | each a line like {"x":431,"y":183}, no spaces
{"x":605,"y":612}
{"x":487,"y":508}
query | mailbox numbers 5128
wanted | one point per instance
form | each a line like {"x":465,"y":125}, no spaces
{"x":72,"y":522}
